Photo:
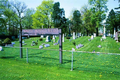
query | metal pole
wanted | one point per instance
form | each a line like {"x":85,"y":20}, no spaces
{"x":27,"y":55}
{"x":72,"y":62}
{"x":60,"y":47}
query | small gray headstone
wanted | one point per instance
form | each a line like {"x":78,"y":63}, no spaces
{"x":13,"y":43}
{"x":40,"y":47}
{"x":46,"y":45}
{"x":1,"y":49}
{"x":99,"y":46}
{"x":89,"y":39}
{"x":55,"y":43}
{"x":9,"y":45}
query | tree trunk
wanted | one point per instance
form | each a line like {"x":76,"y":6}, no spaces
{"x":97,"y":31}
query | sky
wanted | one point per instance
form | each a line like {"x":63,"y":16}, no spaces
{"x":69,"y":5}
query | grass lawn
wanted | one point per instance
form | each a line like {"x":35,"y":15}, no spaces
{"x":44,"y":64}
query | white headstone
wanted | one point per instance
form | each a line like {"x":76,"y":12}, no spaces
{"x":40,"y":47}
{"x":104,"y":37}
{"x":53,"y":38}
{"x":46,"y":45}
{"x":73,"y":35}
{"x":116,"y":36}
{"x":63,"y":38}
{"x":47,"y":38}
{"x":80,"y":34}
{"x":92,"y":37}
{"x":13,"y":43}
{"x":94,"y":34}
{"x":1,"y":48}
{"x":41,"y":36}
{"x":114,"y":33}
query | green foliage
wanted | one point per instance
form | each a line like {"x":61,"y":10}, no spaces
{"x":41,"y":39}
{"x":7,"y":41}
{"x":58,"y":18}
{"x":27,"y":21}
{"x":99,"y":9}
{"x":42,"y":16}
{"x":113,"y":21}
{"x":76,"y":21}
{"x":74,"y":43}
{"x":67,"y":37}
{"x":0,"y":42}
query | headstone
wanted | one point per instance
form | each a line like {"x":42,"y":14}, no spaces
{"x":28,"y":35}
{"x":73,"y":49}
{"x":47,"y":39}
{"x":92,"y":37}
{"x":63,"y":38}
{"x":73,"y":35}
{"x":1,"y":49}
{"x":114,"y":33}
{"x":40,"y":47}
{"x":58,"y":41}
{"x":46,"y":45}
{"x":41,"y":36}
{"x":79,"y":46}
{"x":89,"y":39}
{"x":99,"y":46}
{"x":80,"y":34}
{"x":55,"y":43}
{"x":23,"y":42}
{"x":13,"y":43}
{"x":116,"y":36}
{"x":94,"y":34}
{"x":32,"y":45}
{"x":104,"y":37}
{"x":9,"y":45}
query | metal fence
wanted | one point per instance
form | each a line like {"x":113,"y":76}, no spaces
{"x":73,"y":60}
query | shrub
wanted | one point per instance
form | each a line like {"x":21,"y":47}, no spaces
{"x":67,"y":37}
{"x":74,"y":43}
{"x":0,"y":42}
{"x":119,"y":39}
{"x":41,"y":39}
{"x":7,"y":41}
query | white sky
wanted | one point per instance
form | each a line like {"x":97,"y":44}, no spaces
{"x":69,"y":5}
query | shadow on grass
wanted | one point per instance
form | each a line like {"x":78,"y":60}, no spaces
{"x":9,"y":57}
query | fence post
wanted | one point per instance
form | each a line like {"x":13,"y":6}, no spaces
{"x":27,"y":54}
{"x":72,"y":59}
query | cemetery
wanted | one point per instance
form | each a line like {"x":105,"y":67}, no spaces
{"x":45,"y":43}
{"x":47,"y":54}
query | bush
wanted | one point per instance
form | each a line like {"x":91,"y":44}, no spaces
{"x":41,"y":39}
{"x":119,"y":39}
{"x":0,"y":42}
{"x":7,"y":41}
{"x":67,"y":37}
{"x":74,"y":43}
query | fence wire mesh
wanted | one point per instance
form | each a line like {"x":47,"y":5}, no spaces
{"x":95,"y":62}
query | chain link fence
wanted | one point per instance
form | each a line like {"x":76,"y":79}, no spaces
{"x":82,"y":61}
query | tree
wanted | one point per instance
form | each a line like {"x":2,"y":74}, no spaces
{"x":113,"y":21}
{"x":42,"y":16}
{"x":58,"y":17}
{"x":76,"y":21}
{"x":99,"y":8}
{"x":27,"y":21}
{"x":19,"y":9}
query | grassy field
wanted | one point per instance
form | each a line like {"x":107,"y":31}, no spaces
{"x":44,"y":64}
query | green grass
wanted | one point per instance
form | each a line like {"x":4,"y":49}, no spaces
{"x":44,"y":64}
